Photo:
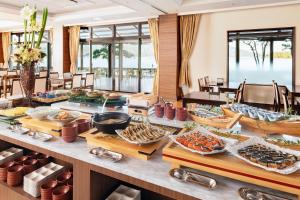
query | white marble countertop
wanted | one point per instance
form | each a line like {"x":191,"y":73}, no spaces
{"x":154,"y":171}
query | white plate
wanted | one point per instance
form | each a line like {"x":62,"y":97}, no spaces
{"x":256,"y":140}
{"x":74,"y":114}
{"x":203,"y":131}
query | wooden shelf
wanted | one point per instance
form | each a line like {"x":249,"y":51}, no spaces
{"x":15,"y":193}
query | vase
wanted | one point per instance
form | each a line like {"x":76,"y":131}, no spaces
{"x":27,"y":78}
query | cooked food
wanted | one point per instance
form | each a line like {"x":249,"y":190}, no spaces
{"x":201,"y":142}
{"x":267,"y":156}
{"x":142,"y":133}
{"x":94,"y":94}
{"x":63,"y":115}
{"x":13,"y":112}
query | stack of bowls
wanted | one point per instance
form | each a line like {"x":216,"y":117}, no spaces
{"x":3,"y":170}
{"x":47,"y":190}
{"x":15,"y":175}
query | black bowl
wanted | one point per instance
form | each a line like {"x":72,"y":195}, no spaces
{"x":110,"y":121}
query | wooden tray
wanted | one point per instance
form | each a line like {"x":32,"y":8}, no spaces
{"x":117,"y":144}
{"x":46,"y":126}
{"x":229,"y":166}
{"x":224,"y":123}
{"x":50,"y":100}
{"x":259,"y":126}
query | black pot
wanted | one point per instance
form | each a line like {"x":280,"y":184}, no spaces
{"x":99,"y":121}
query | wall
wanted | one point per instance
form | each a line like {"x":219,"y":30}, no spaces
{"x":210,"y":53}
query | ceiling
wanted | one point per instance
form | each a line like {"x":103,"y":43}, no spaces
{"x":119,"y":11}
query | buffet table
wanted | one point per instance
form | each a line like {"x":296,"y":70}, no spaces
{"x":150,"y":175}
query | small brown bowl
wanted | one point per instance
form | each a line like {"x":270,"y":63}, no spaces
{"x":32,"y":155}
{"x":64,"y":177}
{"x":42,"y":159}
{"x":15,"y":175}
{"x":3,"y":170}
{"x":20,"y":160}
{"x":47,"y":189}
{"x":83,"y":125}
{"x":70,"y":132}
{"x":30,"y":165}
{"x":61,"y":193}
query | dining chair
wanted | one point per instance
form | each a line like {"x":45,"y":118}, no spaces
{"x":201,"y":83}
{"x":76,"y":81}
{"x":89,"y":81}
{"x":53,"y":75}
{"x":12,"y":73}
{"x":206,"y":80}
{"x":67,"y":75}
{"x":240,"y":92}
{"x":220,"y":81}
{"x":43,"y":74}
{"x":16,"y":88}
{"x":277,"y":103}
{"x":40,"y":85}
{"x":3,"y":72}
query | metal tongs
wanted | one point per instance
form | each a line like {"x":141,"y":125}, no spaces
{"x":104,"y":153}
{"x":188,"y":176}
{"x":251,"y":194}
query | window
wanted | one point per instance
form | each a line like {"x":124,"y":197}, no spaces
{"x":121,"y":56}
{"x":18,"y":38}
{"x":261,"y":56}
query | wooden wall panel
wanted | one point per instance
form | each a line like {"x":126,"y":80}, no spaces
{"x":1,"y":50}
{"x":66,"y":50}
{"x":169,"y":56}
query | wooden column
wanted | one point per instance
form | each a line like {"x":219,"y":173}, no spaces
{"x":169,"y":56}
{"x":66,"y":50}
{"x":1,"y":50}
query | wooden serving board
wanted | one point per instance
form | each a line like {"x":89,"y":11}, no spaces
{"x":50,"y":100}
{"x":46,"y":126}
{"x":227,"y":165}
{"x":117,"y":144}
{"x":259,"y":126}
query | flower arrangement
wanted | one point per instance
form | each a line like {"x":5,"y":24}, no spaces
{"x":29,"y":52}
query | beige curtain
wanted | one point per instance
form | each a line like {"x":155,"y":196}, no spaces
{"x":6,"y":48}
{"x":153,"y":26}
{"x":189,"y":25}
{"x":74,"y":32}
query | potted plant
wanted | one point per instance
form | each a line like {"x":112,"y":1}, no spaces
{"x":29,"y":53}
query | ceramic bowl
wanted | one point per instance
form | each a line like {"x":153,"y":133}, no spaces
{"x":83,"y":125}
{"x":61,"y":193}
{"x":20,"y":160}
{"x":42,"y":159}
{"x":47,"y":189}
{"x":70,"y":132}
{"x":64,"y":177}
{"x":15,"y":175}
{"x":30,"y":165}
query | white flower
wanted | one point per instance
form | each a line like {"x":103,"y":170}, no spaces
{"x":35,"y":28}
{"x":26,"y":12}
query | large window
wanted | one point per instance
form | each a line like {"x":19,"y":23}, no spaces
{"x":18,"y":38}
{"x":121,"y":56}
{"x":261,"y":56}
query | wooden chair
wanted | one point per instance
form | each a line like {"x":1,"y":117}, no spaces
{"x":201,"y":83}
{"x":240,"y":92}
{"x":206,"y":80}
{"x":89,"y":81}
{"x":67,"y":75}
{"x":3,"y":72}
{"x":220,"y":81}
{"x":285,"y":98}
{"x":43,"y":74}
{"x":277,"y":103}
{"x":16,"y":88}
{"x":40,"y":85}
{"x":76,"y":81}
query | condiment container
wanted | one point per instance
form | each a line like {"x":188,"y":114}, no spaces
{"x":159,"y":110}
{"x":181,"y":114}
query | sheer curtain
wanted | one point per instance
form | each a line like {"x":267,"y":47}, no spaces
{"x":6,"y":48}
{"x":189,"y":25}
{"x":153,"y":26}
{"x":74,"y":33}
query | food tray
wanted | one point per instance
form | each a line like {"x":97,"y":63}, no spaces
{"x":73,"y":115}
{"x":167,"y":133}
{"x":227,"y":141}
{"x":40,"y":112}
{"x":104,"y":153}
{"x":34,"y":180}
{"x":256,"y":140}
{"x":10,"y":154}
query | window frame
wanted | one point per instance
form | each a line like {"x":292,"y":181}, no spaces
{"x":113,"y":41}
{"x":267,"y":29}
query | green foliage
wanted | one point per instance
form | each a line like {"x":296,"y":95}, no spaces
{"x":103,"y":52}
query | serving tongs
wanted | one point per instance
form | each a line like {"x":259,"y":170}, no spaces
{"x":107,"y":154}
{"x":191,"y":177}
{"x":251,"y":194}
